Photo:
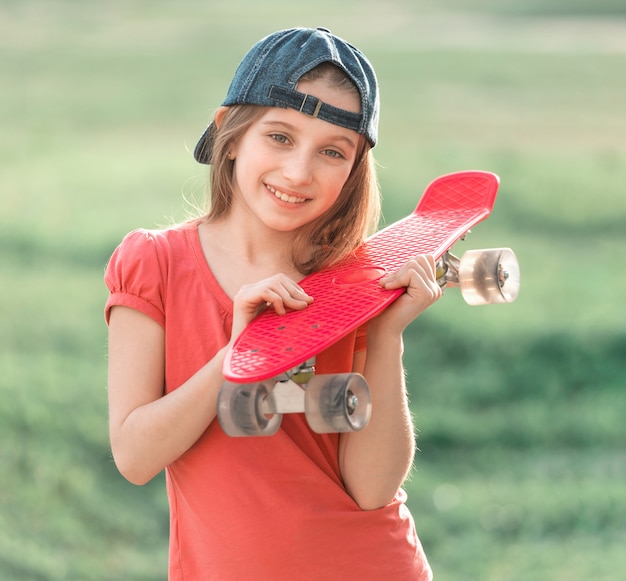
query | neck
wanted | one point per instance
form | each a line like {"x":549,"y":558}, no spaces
{"x":251,"y":247}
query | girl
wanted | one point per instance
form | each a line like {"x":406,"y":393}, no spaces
{"x":293,"y":189}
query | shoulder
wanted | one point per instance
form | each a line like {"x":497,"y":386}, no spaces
{"x":139,"y":268}
{"x":160,"y":238}
{"x":143,"y":243}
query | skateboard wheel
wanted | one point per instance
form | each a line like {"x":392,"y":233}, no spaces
{"x":337,"y":403}
{"x":489,"y":276}
{"x":240,"y":410}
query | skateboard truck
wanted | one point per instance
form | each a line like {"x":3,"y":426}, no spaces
{"x":332,"y":403}
{"x":287,"y":396}
{"x":486,"y":276}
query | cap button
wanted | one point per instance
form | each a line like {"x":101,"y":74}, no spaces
{"x":323,"y":29}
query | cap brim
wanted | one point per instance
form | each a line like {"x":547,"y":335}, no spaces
{"x":203,"y":153}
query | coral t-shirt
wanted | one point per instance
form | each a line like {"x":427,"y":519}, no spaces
{"x":266,"y":508}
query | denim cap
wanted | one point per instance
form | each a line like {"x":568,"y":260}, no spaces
{"x":270,"y":71}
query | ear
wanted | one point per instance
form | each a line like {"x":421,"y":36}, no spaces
{"x":217,"y":119}
{"x":219,"y":116}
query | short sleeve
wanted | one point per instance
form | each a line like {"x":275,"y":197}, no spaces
{"x":135,"y":278}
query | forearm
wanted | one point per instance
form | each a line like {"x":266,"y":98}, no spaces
{"x":158,"y":432}
{"x":375,"y":461}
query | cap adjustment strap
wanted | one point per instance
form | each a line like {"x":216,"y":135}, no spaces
{"x":314,"y":107}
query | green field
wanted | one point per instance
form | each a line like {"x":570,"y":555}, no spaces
{"x":520,"y":408}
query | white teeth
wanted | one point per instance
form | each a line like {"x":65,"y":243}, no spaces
{"x":285,"y":197}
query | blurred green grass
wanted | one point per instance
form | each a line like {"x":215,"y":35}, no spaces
{"x":520,"y":407}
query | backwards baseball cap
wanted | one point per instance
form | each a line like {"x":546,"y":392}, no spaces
{"x":270,"y":71}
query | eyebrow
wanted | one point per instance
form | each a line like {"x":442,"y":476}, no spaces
{"x":291,"y":127}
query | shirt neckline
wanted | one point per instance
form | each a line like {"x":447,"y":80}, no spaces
{"x":193,"y":237}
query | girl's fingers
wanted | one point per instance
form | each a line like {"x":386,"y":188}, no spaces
{"x":281,"y":299}
{"x":418,"y":278}
{"x":422,"y":265}
{"x":279,"y":292}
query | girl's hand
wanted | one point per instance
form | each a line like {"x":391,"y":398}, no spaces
{"x":278,"y":292}
{"x":418,"y":276}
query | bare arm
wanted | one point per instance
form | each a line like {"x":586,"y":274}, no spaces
{"x":375,"y":461}
{"x":149,"y":430}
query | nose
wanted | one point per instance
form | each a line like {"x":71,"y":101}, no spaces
{"x":298,"y":168}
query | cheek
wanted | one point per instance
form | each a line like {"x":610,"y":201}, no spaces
{"x":243,"y":170}
{"x":335,"y":186}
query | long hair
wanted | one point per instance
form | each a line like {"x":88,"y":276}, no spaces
{"x":336,"y":233}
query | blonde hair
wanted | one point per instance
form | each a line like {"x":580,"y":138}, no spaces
{"x":339,"y":231}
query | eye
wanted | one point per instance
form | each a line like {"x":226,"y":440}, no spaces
{"x":333,"y":153}
{"x":279,"y":138}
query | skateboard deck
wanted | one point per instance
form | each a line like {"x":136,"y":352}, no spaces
{"x":349,"y":294}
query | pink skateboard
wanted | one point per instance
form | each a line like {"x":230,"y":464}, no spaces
{"x":270,"y":368}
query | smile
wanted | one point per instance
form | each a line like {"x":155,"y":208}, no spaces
{"x":284,"y":197}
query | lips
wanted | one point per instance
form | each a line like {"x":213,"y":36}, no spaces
{"x":286,"y":197}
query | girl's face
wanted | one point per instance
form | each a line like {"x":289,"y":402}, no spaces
{"x":290,"y":167}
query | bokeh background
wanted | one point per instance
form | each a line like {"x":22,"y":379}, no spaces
{"x":520,"y":407}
